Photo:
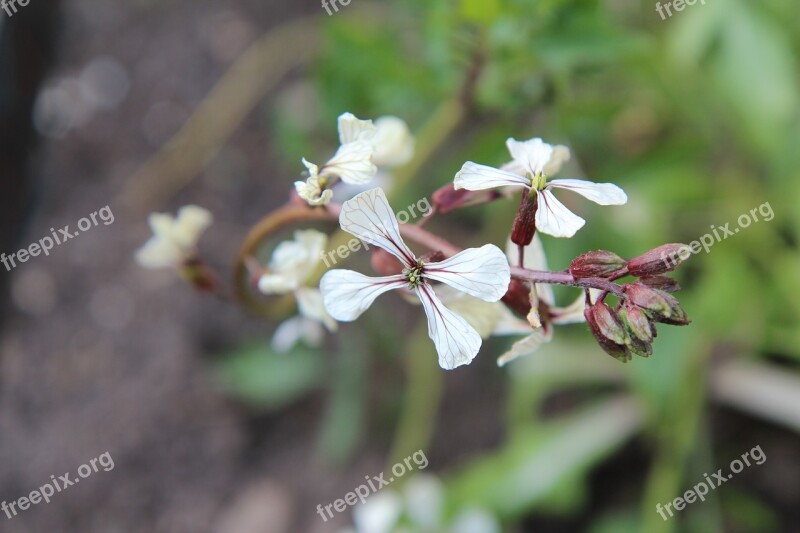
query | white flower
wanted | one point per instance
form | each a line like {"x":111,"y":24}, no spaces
{"x":393,"y":142}
{"x":542,"y":332}
{"x":533,"y":161}
{"x":364,"y":147}
{"x":481,"y":272}
{"x":422,"y":506}
{"x":311,"y":190}
{"x":352,"y":162}
{"x":174,"y":240}
{"x":292,"y":263}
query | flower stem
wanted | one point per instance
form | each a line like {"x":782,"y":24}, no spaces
{"x":565,"y":278}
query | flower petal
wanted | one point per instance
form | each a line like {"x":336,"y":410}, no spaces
{"x":158,"y":253}
{"x":352,"y":129}
{"x":483,"y":316}
{"x":311,"y":306}
{"x":599,"y":193}
{"x":553,"y":217}
{"x":475,"y":177}
{"x":352,"y":163}
{"x":531,"y":155}
{"x":294,"y":330}
{"x":394,"y":144}
{"x":480,"y":272}
{"x":277,"y":284}
{"x":369,"y":217}
{"x":379,"y":514}
{"x":190,"y":224}
{"x":457,"y":343}
{"x":525,"y":346}
{"x":347,"y":294}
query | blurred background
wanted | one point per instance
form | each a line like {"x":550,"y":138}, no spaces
{"x":148,"y":106}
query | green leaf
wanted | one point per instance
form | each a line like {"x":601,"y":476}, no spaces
{"x":267,"y":380}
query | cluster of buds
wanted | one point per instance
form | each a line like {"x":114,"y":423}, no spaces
{"x":630,"y":327}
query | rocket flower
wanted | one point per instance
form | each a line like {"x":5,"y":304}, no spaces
{"x":292,"y":264}
{"x":533,"y":161}
{"x":480,"y":272}
{"x":364,"y":147}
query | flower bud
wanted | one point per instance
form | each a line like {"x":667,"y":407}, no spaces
{"x":662,"y":283}
{"x":448,"y":199}
{"x":640,"y":330}
{"x":636,"y":322}
{"x":659,"y":305}
{"x":518,"y":298}
{"x":525,"y":221}
{"x":199,"y":275}
{"x":598,"y":264}
{"x":608,"y":331}
{"x":659,"y":260}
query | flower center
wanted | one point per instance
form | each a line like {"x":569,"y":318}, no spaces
{"x":538,"y":181}
{"x":413,"y":275}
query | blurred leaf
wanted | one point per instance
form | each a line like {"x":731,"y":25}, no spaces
{"x":534,"y":464}
{"x":267,"y":380}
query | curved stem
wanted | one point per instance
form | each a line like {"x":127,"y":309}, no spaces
{"x":565,"y":278}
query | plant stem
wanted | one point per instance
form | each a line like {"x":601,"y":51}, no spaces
{"x":565,"y":278}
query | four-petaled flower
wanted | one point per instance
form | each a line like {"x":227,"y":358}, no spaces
{"x":174,"y":240}
{"x":292,"y":263}
{"x":533,"y":161}
{"x":480,"y":272}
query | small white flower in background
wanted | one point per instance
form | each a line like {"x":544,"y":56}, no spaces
{"x":311,"y":190}
{"x":533,"y":161}
{"x":352,"y":162}
{"x":422,"y":507}
{"x":542,"y":332}
{"x":292,"y":263}
{"x":481,"y":272}
{"x":364,"y":147}
{"x":174,"y":240}
{"x":393,"y":142}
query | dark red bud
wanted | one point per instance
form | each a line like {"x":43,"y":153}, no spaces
{"x":608,"y":331}
{"x":525,"y":221}
{"x":518,"y":298}
{"x":659,"y":260}
{"x":663,"y":283}
{"x":199,"y":275}
{"x":659,"y":305}
{"x":598,"y":264}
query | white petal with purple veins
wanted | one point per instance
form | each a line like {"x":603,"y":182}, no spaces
{"x":352,"y":163}
{"x":599,"y":193}
{"x":531,"y":155}
{"x":347,"y":294}
{"x":481,"y":272}
{"x":457,"y":343}
{"x":369,"y":217}
{"x":475,"y":177}
{"x":553,"y":217}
